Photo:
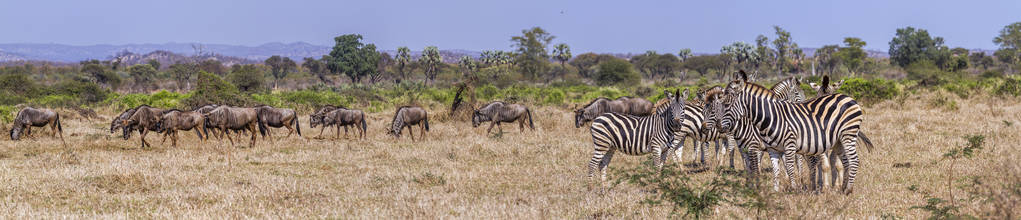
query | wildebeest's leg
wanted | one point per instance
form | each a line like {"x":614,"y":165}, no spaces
{"x":225,"y":133}
{"x":251,"y":128}
{"x":142,"y":136}
{"x":289,"y":128}
{"x":173,"y":138}
{"x":521,"y":124}
{"x":422,"y":125}
{"x":338,"y":131}
{"x":491,"y":125}
{"x":411,"y":131}
{"x":321,"y":131}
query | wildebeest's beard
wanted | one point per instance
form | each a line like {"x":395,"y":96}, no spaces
{"x":313,"y":120}
{"x":477,"y":118}
{"x":16,"y":132}
{"x":579,"y":118}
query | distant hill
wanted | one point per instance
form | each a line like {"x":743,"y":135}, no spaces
{"x":166,"y":58}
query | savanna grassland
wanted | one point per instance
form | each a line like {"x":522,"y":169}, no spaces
{"x":460,"y":172}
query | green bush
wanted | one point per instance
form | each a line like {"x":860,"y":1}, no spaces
{"x":1011,"y":86}
{"x":555,"y":97}
{"x":211,"y":89}
{"x":83,"y":92}
{"x":617,"y":72}
{"x":869,"y":89}
{"x":7,"y":113}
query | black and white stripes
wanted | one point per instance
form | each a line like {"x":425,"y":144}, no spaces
{"x":631,"y":135}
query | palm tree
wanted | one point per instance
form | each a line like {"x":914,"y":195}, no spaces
{"x":403,"y":59}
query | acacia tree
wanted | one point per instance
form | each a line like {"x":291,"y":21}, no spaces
{"x":827,"y":58}
{"x":852,"y":55}
{"x":766,"y":55}
{"x":182,"y":72}
{"x":911,"y":45}
{"x":143,"y":75}
{"x":783,"y":46}
{"x":430,"y":61}
{"x":280,"y":67}
{"x":403,"y":60}
{"x":531,"y":47}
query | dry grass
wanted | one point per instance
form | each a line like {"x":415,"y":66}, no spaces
{"x":460,"y":172}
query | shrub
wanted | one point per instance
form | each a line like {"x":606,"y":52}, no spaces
{"x":1010,"y":86}
{"x":617,"y":72}
{"x":869,"y":89}
{"x":7,"y":113}
{"x":82,"y":92}
{"x":248,"y":79}
{"x":554,"y":97}
{"x":211,"y":89}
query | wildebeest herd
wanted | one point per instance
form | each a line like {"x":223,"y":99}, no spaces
{"x":743,"y":115}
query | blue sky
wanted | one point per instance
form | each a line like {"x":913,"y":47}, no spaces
{"x":596,"y":26}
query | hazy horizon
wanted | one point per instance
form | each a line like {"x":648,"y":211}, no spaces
{"x":607,"y":27}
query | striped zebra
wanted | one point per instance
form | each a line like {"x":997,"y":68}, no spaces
{"x":825,"y":88}
{"x":808,"y":128}
{"x":788,"y":89}
{"x":634,"y":135}
{"x":692,"y":127}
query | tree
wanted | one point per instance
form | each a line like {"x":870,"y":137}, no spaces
{"x":617,"y":72}
{"x":684,"y":54}
{"x":739,"y":52}
{"x":403,"y":60}
{"x":765,"y":54}
{"x":248,"y":78}
{"x":212,"y":66}
{"x":852,"y":55}
{"x":959,"y":59}
{"x":182,"y":72}
{"x":1010,"y":43}
{"x":353,"y":58}
{"x":562,"y":53}
{"x":827,"y":58}
{"x":664,"y":65}
{"x":143,"y":75}
{"x":584,"y":62}
{"x":912,"y":45}
{"x":980,"y":59}
{"x":100,"y":74}
{"x":154,"y":63}
{"x":431,"y":60}
{"x":317,"y":68}
{"x":702,"y":64}
{"x":468,"y":65}
{"x":531,"y":48}
{"x":783,"y":46}
{"x":280,"y":67}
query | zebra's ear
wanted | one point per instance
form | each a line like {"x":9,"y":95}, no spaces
{"x":813,"y":85}
{"x":741,"y":75}
{"x":685,"y":94}
{"x":668,"y":94}
{"x":837,"y":85}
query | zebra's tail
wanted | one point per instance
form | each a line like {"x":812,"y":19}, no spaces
{"x":530,"y":124}
{"x":868,"y":143}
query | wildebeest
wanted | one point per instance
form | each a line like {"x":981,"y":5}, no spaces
{"x":144,"y":120}
{"x":117,"y":121}
{"x":342,"y":117}
{"x":31,"y":117}
{"x":317,"y":117}
{"x":174,"y":120}
{"x":85,"y":113}
{"x":278,"y":117}
{"x":234,"y":118}
{"x":497,"y":112}
{"x":636,"y":106}
{"x":597,"y":107}
{"x":206,"y":109}
{"x":407,"y":116}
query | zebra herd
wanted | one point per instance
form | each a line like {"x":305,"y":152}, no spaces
{"x":748,"y":116}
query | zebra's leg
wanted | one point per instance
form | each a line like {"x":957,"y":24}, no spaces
{"x":605,"y":161}
{"x":657,"y":154}
{"x":753,"y":165}
{"x":813,"y":171}
{"x":695,"y":149}
{"x":775,"y":157}
{"x":789,"y":158}
{"x":850,"y":159}
{"x":679,"y":150}
{"x":671,"y":149}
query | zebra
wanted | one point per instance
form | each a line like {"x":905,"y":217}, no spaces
{"x":692,"y":128}
{"x":808,"y":128}
{"x":635,"y":135}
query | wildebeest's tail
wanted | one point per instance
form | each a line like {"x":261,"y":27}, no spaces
{"x":205,"y":127}
{"x":364,"y":126}
{"x":59,"y":128}
{"x":530,"y":124}
{"x":297,"y":125}
{"x":262,"y":125}
{"x":868,"y":143}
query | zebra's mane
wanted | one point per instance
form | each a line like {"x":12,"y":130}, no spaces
{"x":789,"y":82}
{"x":660,"y":103}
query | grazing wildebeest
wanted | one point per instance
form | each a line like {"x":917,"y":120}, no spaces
{"x":85,"y":113}
{"x":174,"y":120}
{"x":117,"y":121}
{"x":407,"y":116}
{"x":233,"y":118}
{"x":144,"y":120}
{"x":597,"y":107}
{"x":206,"y":109}
{"x":31,"y":117}
{"x":317,"y":117}
{"x":497,"y":112}
{"x":278,"y":117}
{"x":342,"y":117}
{"x":636,"y":106}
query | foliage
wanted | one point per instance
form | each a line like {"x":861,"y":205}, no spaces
{"x":852,"y":55}
{"x":869,"y":89}
{"x":912,"y":45}
{"x":144,"y":75}
{"x":586,"y":62}
{"x":7,"y":113}
{"x":673,"y":187}
{"x":403,"y":60}
{"x":1011,"y":86}
{"x":317,"y":67}
{"x":1010,"y":40}
{"x":211,"y":89}
{"x":182,"y":73}
{"x":353,"y":58}
{"x":431,"y":61}
{"x":702,"y":64}
{"x":248,"y":78}
{"x":531,"y":49}
{"x":616,"y":72}
{"x":280,"y":67}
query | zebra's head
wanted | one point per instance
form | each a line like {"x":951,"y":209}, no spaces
{"x":711,"y":110}
{"x":675,"y":109}
{"x":725,"y":103}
